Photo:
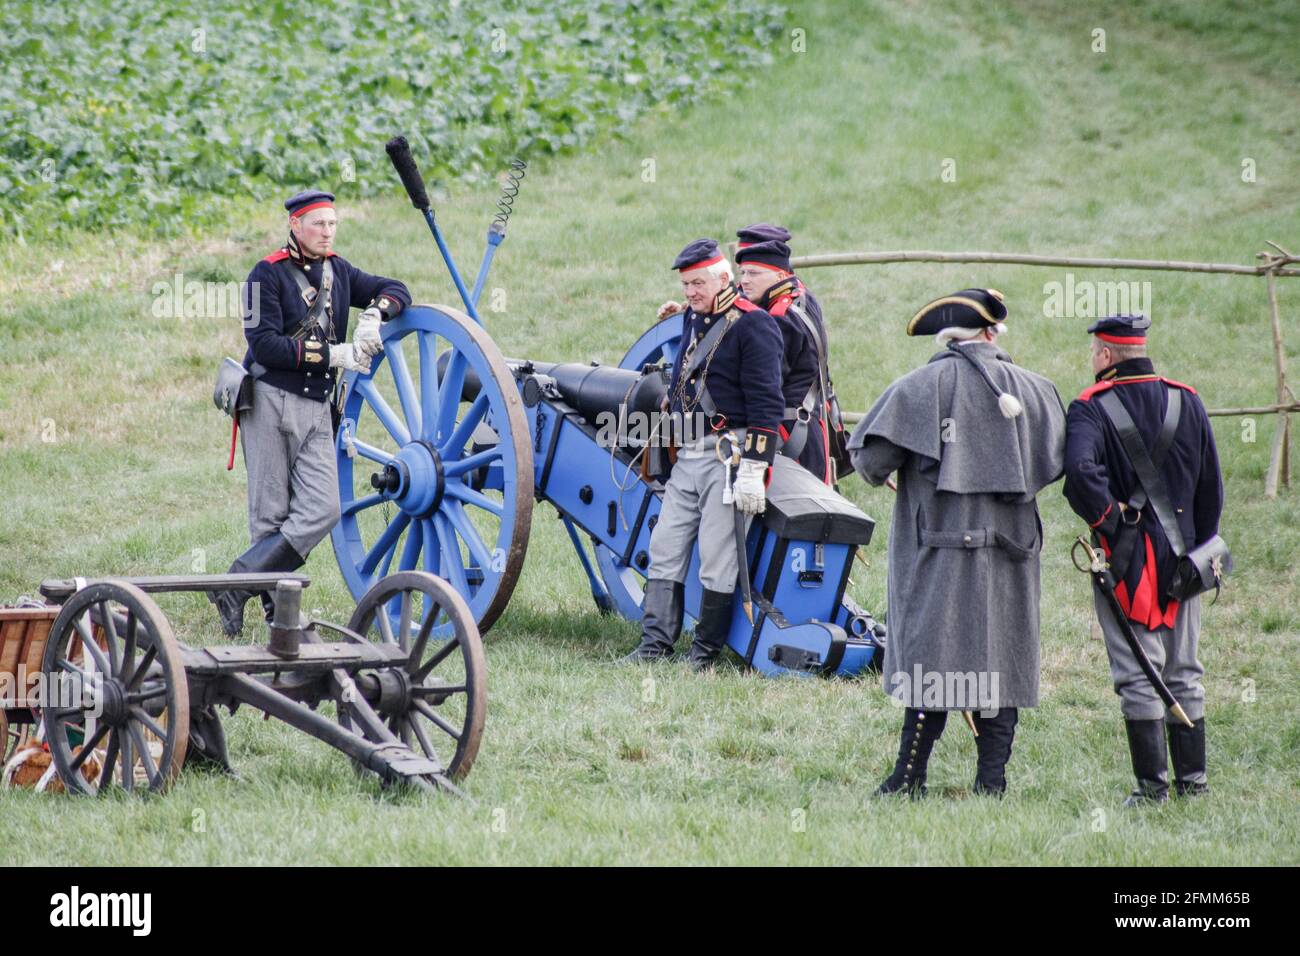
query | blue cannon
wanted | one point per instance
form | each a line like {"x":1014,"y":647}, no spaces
{"x":442,"y":477}
{"x":444,"y":445}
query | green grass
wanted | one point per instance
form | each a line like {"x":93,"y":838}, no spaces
{"x":1136,"y":152}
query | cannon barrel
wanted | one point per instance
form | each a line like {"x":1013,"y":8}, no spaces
{"x":591,"y":389}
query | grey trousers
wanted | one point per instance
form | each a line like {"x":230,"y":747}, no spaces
{"x":1173,"y":654}
{"x":288,"y":447}
{"x":692,"y":508}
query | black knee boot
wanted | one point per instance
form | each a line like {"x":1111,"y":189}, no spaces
{"x":993,"y":744}
{"x":661,"y":620}
{"x":1187,"y":749}
{"x":272,"y":553}
{"x":712,"y":628}
{"x":286,"y":559}
{"x":921,"y":728}
{"x":1146,"y":744}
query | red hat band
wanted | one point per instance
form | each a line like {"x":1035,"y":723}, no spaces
{"x":324,"y":203}
{"x":701,"y":265}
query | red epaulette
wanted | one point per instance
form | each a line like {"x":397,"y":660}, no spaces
{"x":1094,"y":389}
{"x":281,"y":254}
{"x":1170,"y":381}
{"x":777,"y":308}
{"x":743,"y":304}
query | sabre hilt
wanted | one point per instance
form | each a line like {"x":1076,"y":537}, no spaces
{"x":730,"y":460}
{"x":399,"y":151}
{"x":1096,"y":558}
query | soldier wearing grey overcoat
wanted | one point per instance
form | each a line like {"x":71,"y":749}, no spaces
{"x":973,"y":438}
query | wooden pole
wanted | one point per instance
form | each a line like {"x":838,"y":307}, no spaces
{"x":1258,"y":410}
{"x":857,"y":258}
{"x":1272,"y":265}
{"x":852,"y":418}
{"x":1279,"y":464}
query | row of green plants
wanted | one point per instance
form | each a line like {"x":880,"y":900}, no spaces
{"x":134,"y":114}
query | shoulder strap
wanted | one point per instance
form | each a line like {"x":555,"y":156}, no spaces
{"x":1147,"y":466}
{"x":699,"y":355}
{"x":316,"y":313}
{"x":813,"y":332}
{"x":702,"y":349}
{"x":823,"y":373}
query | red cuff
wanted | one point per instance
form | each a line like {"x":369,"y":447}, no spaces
{"x":1103,"y":515}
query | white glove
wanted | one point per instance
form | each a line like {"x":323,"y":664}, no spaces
{"x":366,"y":340}
{"x":345,"y":356}
{"x":751,"y":489}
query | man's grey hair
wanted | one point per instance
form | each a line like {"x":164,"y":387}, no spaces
{"x":720,"y":270}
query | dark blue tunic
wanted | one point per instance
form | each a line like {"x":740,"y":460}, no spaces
{"x":800,"y":367}
{"x":1098,"y":477}
{"x":744,"y":375}
{"x":281,"y":310}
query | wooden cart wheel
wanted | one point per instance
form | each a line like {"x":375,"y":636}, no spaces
{"x":122,"y":701}
{"x":4,"y":737}
{"x":443,"y":714}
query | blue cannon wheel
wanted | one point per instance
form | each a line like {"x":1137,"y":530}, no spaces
{"x":623,"y":583}
{"x":427,"y":480}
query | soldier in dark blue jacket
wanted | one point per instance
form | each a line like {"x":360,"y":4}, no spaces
{"x":767,"y":280}
{"x":725,"y":388}
{"x":766,"y":232}
{"x":1100,"y":484}
{"x":296,"y":323}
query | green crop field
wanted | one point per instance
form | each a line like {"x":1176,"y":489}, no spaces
{"x":1179,"y":141}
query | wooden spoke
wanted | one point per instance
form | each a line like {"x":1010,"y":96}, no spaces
{"x":436,"y":659}
{"x":89,"y":746}
{"x":435,"y":719}
{"x":150,"y":768}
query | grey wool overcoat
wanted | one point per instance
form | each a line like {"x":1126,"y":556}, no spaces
{"x":965,"y":540}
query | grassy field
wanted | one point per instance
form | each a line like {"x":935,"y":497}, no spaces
{"x":112,"y":457}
